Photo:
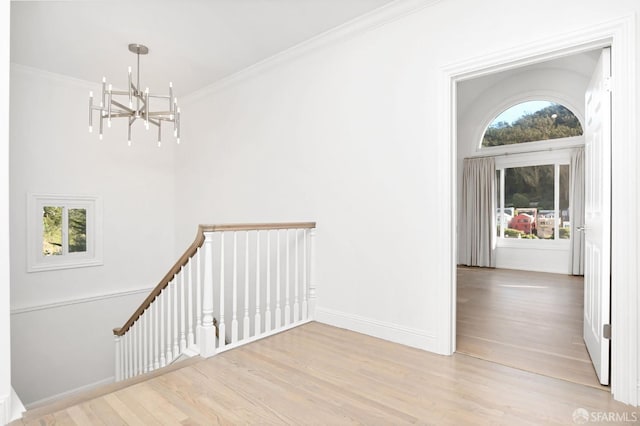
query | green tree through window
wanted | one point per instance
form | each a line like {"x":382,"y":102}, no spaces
{"x":52,"y":231}
{"x":56,"y":224}
{"x":551,"y":122}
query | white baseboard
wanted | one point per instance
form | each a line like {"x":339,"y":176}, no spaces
{"x":384,"y":330}
{"x":71,"y":392}
{"x":17,"y":409}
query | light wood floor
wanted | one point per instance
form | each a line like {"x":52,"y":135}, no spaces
{"x":527,"y":320}
{"x":317,"y":374}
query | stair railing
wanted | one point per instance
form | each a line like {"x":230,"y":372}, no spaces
{"x":235,"y":284}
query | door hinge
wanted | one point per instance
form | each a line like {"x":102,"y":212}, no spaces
{"x":606,"y":331}
{"x":607,"y":84}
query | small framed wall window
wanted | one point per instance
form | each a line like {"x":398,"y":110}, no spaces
{"x":63,"y":231}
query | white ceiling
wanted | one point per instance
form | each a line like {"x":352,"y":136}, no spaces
{"x":191,"y":43}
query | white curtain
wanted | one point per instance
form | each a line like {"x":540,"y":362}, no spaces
{"x":478,"y":211}
{"x":577,"y":212}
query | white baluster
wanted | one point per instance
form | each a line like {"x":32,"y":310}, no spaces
{"x":278,"y":284}
{"x":134,"y":350}
{"x":221,"y":325}
{"x":141,"y":345}
{"x":312,"y":277}
{"x":183,"y":312}
{"x":258,"y":325}
{"x":129,"y":354}
{"x":149,"y":320}
{"x":138,"y":334}
{"x":245,"y":321}
{"x":151,"y":336}
{"x":155,"y":305}
{"x":267,"y":311}
{"x":169,"y":294}
{"x":190,"y":337}
{"x":125,"y":364}
{"x":144,"y":367}
{"x":198,"y":297}
{"x":207,"y":332}
{"x":305,"y":279}
{"x":234,"y":319}
{"x":118,"y":371}
{"x":176,"y":341}
{"x":146,"y":338}
{"x":162,"y":317}
{"x":287,"y":308}
{"x":296,"y":281}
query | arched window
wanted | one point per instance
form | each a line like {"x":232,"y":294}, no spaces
{"x":531,"y":121}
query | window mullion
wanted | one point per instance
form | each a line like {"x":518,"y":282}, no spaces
{"x":556,"y":201}
{"x":502,"y":212}
{"x":65,"y":230}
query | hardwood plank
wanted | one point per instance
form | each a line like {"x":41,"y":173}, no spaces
{"x":325,"y":375}
{"x":527,"y":320}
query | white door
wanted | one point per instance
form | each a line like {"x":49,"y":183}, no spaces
{"x":597,"y":225}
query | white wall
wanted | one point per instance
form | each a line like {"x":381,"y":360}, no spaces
{"x":481,"y":99}
{"x":52,"y":152}
{"x":5,"y":352}
{"x":68,"y":347}
{"x":347,"y":135}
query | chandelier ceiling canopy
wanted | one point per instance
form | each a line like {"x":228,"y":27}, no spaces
{"x":135,"y":104}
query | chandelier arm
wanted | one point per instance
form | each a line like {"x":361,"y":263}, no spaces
{"x":119,"y":105}
{"x":120,"y":92}
{"x":160,"y":114}
{"x":151,"y":95}
{"x":121,"y":114}
{"x":134,"y":90}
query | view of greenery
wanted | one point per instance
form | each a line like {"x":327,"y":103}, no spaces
{"x":77,"y":230}
{"x":536,"y":126}
{"x":533,"y":187}
{"x":52,"y":224}
{"x":52,"y":231}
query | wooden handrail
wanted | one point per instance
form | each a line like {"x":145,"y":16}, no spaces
{"x":191,"y":251}
{"x":258,"y":226}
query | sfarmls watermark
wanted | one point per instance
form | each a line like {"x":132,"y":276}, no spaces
{"x":582,"y":416}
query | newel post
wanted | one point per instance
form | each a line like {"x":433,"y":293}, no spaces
{"x":312,"y":273}
{"x":207,"y":339}
{"x":118,"y":374}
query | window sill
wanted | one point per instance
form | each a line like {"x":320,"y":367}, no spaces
{"x":519,"y":243}
{"x":52,"y":266}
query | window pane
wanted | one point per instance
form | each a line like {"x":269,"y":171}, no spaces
{"x":51,"y":231}
{"x":529,"y":190}
{"x":530,"y":122}
{"x":77,"y":230}
{"x":565,"y":220}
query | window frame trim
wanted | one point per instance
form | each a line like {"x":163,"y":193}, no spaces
{"x":36,"y":261}
{"x":555,"y":157}
{"x":536,"y":95}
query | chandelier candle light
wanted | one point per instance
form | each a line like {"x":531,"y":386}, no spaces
{"x":138,"y":102}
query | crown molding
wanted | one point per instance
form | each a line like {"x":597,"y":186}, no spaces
{"x":59,"y":78}
{"x":370,"y":21}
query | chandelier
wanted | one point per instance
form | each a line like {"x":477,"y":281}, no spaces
{"x":134,"y":104}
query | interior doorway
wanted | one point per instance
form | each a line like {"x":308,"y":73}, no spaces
{"x":620,"y":35}
{"x":503,"y":314}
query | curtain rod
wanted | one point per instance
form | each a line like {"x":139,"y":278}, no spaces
{"x":534,"y":151}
